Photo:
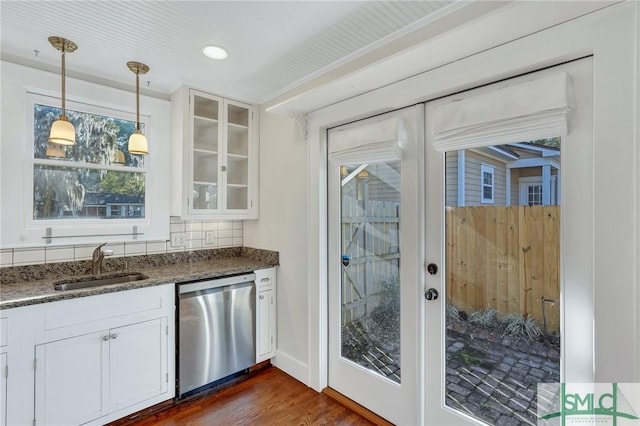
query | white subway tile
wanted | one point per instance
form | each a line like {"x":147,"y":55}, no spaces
{"x":193,"y":244}
{"x":237,"y":233}
{"x":135,"y":248}
{"x":196,"y":235}
{"x":238,"y":224}
{"x":237,"y":242}
{"x":209,"y":225}
{"x":83,"y":252}
{"x":28,"y":256}
{"x":6,"y":257}
{"x":156,"y":247}
{"x":194,"y":225}
{"x":225,"y":225}
{"x":171,"y":249}
{"x":178,"y":227}
{"x":225,"y":242}
{"x":212,"y":244}
{"x":58,"y":254}
{"x":176,"y":219}
{"x":227,"y":233}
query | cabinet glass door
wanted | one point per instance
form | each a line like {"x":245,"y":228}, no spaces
{"x":206,"y":136}
{"x":237,"y":178}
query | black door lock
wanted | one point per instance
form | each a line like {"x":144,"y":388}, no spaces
{"x":432,"y":268}
{"x":431,"y":294}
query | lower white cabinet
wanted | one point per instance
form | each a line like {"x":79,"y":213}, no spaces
{"x":83,"y":378}
{"x":90,"y":360}
{"x":3,"y":389}
{"x":265,"y":314}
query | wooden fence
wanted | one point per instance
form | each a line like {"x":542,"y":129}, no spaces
{"x":505,"y":258}
{"x":370,"y":237}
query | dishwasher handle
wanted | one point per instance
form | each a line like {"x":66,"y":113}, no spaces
{"x":215,"y":283}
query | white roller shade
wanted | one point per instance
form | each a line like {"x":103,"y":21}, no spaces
{"x":370,"y":142}
{"x":527,"y":111}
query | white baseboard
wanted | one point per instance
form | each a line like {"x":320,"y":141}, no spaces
{"x":292,"y":367}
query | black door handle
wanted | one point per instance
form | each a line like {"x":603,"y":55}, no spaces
{"x":431,"y":294}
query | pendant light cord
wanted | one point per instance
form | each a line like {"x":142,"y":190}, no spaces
{"x":63,"y":78}
{"x":138,"y":100}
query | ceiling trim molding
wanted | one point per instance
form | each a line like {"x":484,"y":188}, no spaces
{"x":55,"y":69}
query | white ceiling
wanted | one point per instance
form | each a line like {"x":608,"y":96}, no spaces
{"x":274,"y":46}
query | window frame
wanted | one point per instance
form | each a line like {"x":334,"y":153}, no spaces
{"x":485,"y":168}
{"x":78,"y":227}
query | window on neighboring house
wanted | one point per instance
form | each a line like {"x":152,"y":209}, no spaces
{"x":95,"y":179}
{"x":534,"y":195}
{"x":487,"y":183}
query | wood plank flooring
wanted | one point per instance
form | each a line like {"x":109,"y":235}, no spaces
{"x":270,"y":397}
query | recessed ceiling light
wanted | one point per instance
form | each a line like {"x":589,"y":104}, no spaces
{"x":215,"y":52}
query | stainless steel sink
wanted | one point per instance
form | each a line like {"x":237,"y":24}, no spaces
{"x":98,"y":280}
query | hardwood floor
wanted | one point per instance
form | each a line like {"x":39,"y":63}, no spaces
{"x":270,"y":397}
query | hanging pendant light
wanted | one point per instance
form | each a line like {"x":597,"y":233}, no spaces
{"x":137,"y":141}
{"x":62,"y":131}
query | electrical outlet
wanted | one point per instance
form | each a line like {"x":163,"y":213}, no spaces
{"x":209,"y":237}
{"x":177,"y":239}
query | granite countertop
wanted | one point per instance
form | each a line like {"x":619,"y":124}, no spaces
{"x":30,"y":285}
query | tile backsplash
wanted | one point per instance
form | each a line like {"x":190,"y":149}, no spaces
{"x":185,"y":235}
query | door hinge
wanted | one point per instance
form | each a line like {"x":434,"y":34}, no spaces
{"x":272,"y":340}
{"x":166,"y":378}
{"x":166,"y":330}
{"x":6,"y":371}
{"x":35,"y":364}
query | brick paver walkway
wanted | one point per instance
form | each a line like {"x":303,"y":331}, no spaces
{"x":494,"y":378}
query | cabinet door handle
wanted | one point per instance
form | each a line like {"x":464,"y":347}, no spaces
{"x":261,"y":296}
{"x":114,"y":336}
{"x":105,"y":338}
{"x":265,"y":279}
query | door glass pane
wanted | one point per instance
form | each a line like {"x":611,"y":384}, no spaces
{"x":502,"y":280}
{"x":370,"y":296}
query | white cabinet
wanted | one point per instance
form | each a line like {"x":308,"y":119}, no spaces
{"x":215,"y":157}
{"x":3,"y":389}
{"x":4,"y":370}
{"x":265,"y":314}
{"x":71,"y":380}
{"x":91,"y":360}
{"x":82,"y":378}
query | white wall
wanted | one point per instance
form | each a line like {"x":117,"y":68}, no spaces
{"x":283,"y":227}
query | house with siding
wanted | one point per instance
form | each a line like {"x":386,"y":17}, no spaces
{"x":522,"y":173}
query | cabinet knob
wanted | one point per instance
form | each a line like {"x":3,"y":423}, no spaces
{"x":223,"y":168}
{"x":261,"y":296}
{"x":114,"y":336}
{"x":105,"y":338}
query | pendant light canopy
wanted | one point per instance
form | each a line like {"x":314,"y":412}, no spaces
{"x":62,"y":131}
{"x":137,"y":141}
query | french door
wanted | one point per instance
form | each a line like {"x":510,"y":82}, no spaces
{"x":516,"y":290}
{"x":434,"y":259}
{"x":375,"y":223}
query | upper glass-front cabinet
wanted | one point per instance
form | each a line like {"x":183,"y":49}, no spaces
{"x":221,"y":152}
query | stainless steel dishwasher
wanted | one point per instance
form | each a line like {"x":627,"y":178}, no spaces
{"x":216,"y":326}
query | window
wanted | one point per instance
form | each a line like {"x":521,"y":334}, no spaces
{"x":487,"y":183}
{"x":95,"y":179}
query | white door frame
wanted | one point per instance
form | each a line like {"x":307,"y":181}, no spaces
{"x":607,"y":34}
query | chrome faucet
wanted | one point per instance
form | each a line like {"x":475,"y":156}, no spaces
{"x":97,"y":257}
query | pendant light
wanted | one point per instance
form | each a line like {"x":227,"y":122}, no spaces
{"x":137,"y":141}
{"x":62,"y":131}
